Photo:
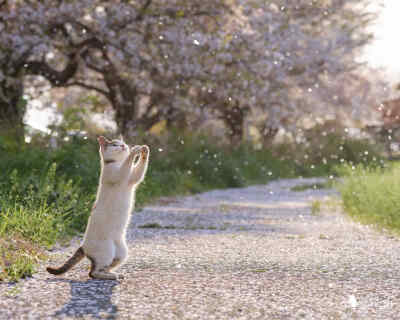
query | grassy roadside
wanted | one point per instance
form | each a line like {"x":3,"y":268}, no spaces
{"x":46,"y":195}
{"x":371,"y":195}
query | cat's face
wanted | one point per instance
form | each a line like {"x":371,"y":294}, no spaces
{"x":113,"y":150}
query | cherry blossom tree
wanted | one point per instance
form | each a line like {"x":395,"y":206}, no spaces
{"x":178,"y":60}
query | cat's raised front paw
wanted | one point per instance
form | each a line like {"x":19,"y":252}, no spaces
{"x":145,"y":151}
{"x":136,"y":150}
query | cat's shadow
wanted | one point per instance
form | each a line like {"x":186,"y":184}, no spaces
{"x":89,"y":298}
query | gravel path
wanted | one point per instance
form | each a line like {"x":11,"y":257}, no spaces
{"x":251,"y":253}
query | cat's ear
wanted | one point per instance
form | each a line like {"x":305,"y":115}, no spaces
{"x":102,"y":141}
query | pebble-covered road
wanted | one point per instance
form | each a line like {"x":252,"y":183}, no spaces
{"x":254,"y":253}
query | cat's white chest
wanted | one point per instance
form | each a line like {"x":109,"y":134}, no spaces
{"x":110,"y":216}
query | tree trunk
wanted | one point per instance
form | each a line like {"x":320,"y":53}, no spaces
{"x":268,"y":134}
{"x":125,"y":117}
{"x":234,"y":119}
{"x":12,"y":110}
{"x":123,"y":97}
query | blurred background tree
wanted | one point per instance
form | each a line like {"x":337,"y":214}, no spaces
{"x":269,"y":65}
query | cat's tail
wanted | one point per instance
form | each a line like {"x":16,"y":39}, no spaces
{"x":78,"y":256}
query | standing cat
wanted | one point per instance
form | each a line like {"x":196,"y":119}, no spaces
{"x":104,"y":242}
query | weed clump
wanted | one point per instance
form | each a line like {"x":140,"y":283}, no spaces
{"x":371,"y":195}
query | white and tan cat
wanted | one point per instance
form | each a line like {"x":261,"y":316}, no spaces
{"x":104,"y":242}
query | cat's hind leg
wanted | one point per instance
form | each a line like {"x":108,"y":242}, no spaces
{"x":121,"y":253}
{"x":101,"y":260}
{"x":96,"y":273}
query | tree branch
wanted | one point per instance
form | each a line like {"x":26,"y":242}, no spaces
{"x":88,"y":86}
{"x":56,"y":78}
{"x":91,"y":65}
{"x":92,"y":42}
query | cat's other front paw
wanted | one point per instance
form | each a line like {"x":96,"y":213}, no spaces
{"x":145,"y":151}
{"x":136,"y":150}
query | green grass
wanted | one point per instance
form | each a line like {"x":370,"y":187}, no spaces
{"x":324,"y":149}
{"x":371,"y":195}
{"x":18,"y":257}
{"x":316,"y":207}
{"x":46,"y":194}
{"x":198,"y":165}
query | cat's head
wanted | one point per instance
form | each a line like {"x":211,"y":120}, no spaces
{"x":113,"y":150}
